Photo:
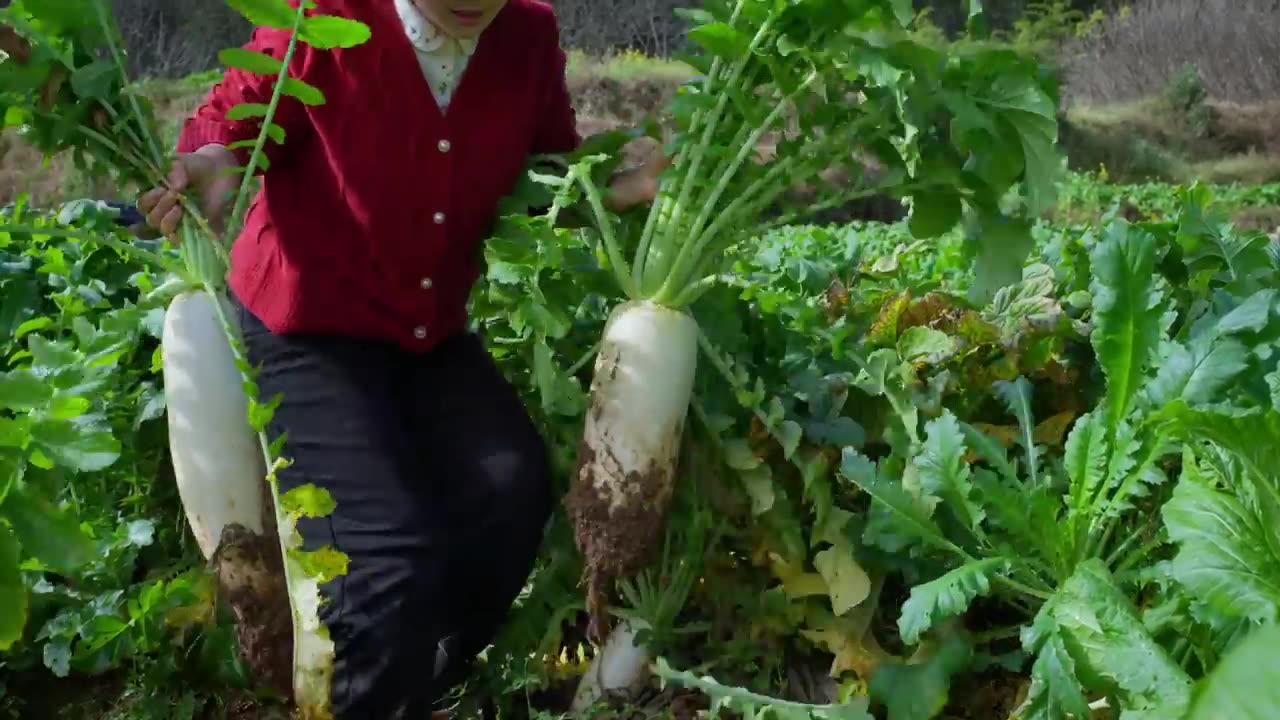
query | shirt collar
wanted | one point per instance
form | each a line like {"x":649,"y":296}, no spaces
{"x":424,"y":34}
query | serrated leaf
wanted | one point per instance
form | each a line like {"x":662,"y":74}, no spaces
{"x":1199,"y":374}
{"x":1112,"y":650}
{"x":945,"y":597}
{"x":1055,"y":692}
{"x":1246,"y":683}
{"x":926,"y":345}
{"x":1127,"y":313}
{"x":905,"y":518}
{"x":1224,"y":555}
{"x":943,"y":472}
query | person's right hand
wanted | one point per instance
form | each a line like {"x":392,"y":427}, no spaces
{"x":203,"y":176}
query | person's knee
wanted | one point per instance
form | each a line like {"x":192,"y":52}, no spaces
{"x":521,"y":480}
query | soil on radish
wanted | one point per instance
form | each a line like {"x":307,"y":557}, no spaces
{"x":614,"y":543}
{"x":251,"y":581}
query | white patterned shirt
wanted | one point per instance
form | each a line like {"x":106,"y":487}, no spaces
{"x":443,"y":59}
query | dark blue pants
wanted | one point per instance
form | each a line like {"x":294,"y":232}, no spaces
{"x":442,"y":485}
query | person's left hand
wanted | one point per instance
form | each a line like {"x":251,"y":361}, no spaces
{"x":637,"y":186}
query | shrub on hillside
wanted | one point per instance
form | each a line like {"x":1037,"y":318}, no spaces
{"x":1138,"y":52}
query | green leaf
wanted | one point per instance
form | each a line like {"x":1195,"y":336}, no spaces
{"x":307,"y":94}
{"x":905,"y":519}
{"x":919,"y":691}
{"x":1225,"y":556}
{"x":943,"y":472}
{"x":945,"y":597}
{"x":720,"y":39}
{"x":327,"y":32}
{"x":1199,"y":374}
{"x":244,"y":111}
{"x":23,"y":391}
{"x":13,"y":592}
{"x":95,"y":80}
{"x":1246,"y":683}
{"x":1016,"y":396}
{"x":324,"y":564}
{"x":933,"y":214}
{"x":76,"y":446}
{"x":1127,"y":312}
{"x":271,"y":13}
{"x":46,"y":532}
{"x":308,"y":501}
{"x":1085,"y":459}
{"x":920,"y":344}
{"x":1003,"y":244}
{"x":1055,"y":692}
{"x":1112,"y":650}
{"x":251,"y":61}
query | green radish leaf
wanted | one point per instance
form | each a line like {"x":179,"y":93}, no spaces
{"x":46,"y":532}
{"x":946,"y":597}
{"x":1199,"y":374}
{"x":95,"y":80}
{"x":324,"y":564}
{"x":1016,"y":396}
{"x":1245,"y":685}
{"x":1127,"y":313}
{"x":250,"y":61}
{"x":903,"y":11}
{"x":21,"y":390}
{"x":13,"y":592}
{"x":308,"y":501}
{"x":1111,"y":648}
{"x":1055,"y":691}
{"x":1252,"y":315}
{"x":1002,"y":245}
{"x":244,"y":111}
{"x":933,"y":214}
{"x":943,"y":472}
{"x":919,"y":691}
{"x":326,"y":32}
{"x":1224,"y":555}
{"x":1085,"y":460}
{"x":271,"y":13}
{"x":720,"y":39}
{"x":307,"y":94}
{"x":903,"y":518}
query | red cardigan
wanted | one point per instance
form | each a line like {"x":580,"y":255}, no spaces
{"x":371,"y":213}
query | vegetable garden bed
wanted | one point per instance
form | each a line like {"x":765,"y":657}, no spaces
{"x":968,"y":465}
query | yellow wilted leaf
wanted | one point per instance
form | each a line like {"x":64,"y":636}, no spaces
{"x":1006,"y":435}
{"x":847,"y":583}
{"x":847,"y":639}
{"x":1053,"y":431}
{"x":796,"y":583}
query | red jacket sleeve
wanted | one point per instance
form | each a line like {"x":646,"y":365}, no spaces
{"x":557,"y":130}
{"x":209,"y":123}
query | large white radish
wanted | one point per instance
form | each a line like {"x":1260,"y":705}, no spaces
{"x":221,"y":474}
{"x":217,"y":459}
{"x":640,"y":395}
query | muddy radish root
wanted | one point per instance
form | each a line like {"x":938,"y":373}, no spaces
{"x":630,"y":444}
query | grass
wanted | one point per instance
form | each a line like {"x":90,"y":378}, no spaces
{"x":1150,"y":139}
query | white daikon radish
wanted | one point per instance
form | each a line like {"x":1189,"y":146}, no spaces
{"x":627,"y":460}
{"x":217,"y":460}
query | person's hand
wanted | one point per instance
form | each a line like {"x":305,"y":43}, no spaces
{"x":202,"y":176}
{"x":637,"y":186}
